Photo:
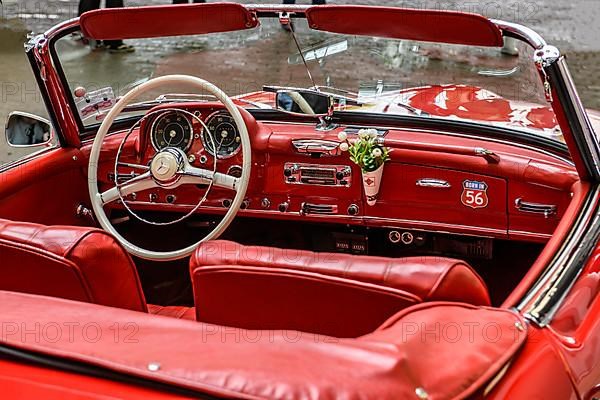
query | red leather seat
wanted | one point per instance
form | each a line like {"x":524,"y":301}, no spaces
{"x":340,"y":295}
{"x":75,"y":263}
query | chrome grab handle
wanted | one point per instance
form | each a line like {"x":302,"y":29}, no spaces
{"x":311,"y":146}
{"x":546,"y":209}
{"x":433,"y":183}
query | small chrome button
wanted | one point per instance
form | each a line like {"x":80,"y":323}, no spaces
{"x":407,"y":238}
{"x":394,"y":237}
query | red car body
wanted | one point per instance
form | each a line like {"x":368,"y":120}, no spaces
{"x":549,"y":333}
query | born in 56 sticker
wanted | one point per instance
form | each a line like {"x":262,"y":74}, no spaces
{"x":474,"y":194}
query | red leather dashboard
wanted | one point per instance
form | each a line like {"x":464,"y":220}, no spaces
{"x":435,"y":181}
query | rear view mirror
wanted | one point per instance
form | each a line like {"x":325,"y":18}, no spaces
{"x":304,"y":102}
{"x":27,"y":130}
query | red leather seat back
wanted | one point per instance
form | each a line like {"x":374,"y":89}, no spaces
{"x":271,"y":298}
{"x":71,"y":262}
{"x":339,"y":295}
{"x":429,"y":278}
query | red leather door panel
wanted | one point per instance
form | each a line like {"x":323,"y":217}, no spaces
{"x":419,"y":193}
{"x":45,"y":189}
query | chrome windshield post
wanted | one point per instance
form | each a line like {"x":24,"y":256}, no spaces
{"x":561,"y":93}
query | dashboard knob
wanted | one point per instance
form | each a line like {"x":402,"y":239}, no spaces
{"x":353,"y":209}
{"x":287,"y":172}
{"x":170,"y":198}
{"x":226,"y":203}
{"x":407,"y":238}
{"x":394,"y":237}
{"x":283,"y":207}
{"x":265,"y":203}
{"x":339,"y":175}
{"x":245,"y":204}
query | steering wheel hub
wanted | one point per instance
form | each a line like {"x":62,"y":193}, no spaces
{"x":166,"y":164}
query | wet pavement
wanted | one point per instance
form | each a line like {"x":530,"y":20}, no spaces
{"x":573,"y":27}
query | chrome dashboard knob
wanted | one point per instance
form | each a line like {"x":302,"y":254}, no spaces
{"x":265,"y":203}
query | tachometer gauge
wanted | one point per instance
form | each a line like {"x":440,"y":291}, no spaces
{"x":222,"y":134}
{"x":172,"y":129}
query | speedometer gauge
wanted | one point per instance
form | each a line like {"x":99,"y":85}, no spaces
{"x":222,"y":134}
{"x":172,"y":129}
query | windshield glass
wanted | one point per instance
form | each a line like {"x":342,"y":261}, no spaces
{"x":425,"y":80}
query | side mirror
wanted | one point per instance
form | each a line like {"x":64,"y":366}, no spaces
{"x":304,"y":102}
{"x":27,"y":130}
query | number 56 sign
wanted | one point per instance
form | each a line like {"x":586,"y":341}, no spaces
{"x":474,"y":194}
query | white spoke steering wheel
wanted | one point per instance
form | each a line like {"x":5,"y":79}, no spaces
{"x":169,"y":168}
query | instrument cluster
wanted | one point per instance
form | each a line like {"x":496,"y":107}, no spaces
{"x":218,"y":133}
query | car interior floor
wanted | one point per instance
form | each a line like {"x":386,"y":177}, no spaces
{"x":501,"y":263}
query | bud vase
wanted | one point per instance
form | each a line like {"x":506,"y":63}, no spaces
{"x":371,"y":184}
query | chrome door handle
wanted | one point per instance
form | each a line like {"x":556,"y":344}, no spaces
{"x":433,"y":183}
{"x":547,"y":210}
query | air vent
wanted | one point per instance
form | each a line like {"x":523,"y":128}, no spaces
{"x":319,"y":209}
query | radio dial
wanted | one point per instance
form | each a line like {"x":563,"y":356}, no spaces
{"x":340,"y":175}
{"x":290,"y":170}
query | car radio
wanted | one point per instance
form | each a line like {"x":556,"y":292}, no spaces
{"x":315,"y":174}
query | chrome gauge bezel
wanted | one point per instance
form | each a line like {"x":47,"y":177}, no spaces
{"x":204,"y":128}
{"x":163,"y":115}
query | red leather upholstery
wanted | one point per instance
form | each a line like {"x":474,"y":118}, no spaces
{"x":178,"y":312}
{"x":447,"y":349}
{"x":75,"y":263}
{"x":274,"y":298}
{"x":335,"y":294}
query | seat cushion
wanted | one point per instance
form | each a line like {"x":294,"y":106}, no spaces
{"x":429,"y":278}
{"x":286,"y":299}
{"x":179,"y":312}
{"x":76,"y":263}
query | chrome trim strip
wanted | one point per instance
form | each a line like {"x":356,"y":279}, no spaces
{"x":544,"y":236}
{"x":551,"y":289}
{"x":521,"y":32}
{"x":581,"y":127}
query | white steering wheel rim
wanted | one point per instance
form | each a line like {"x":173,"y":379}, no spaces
{"x":95,"y":196}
